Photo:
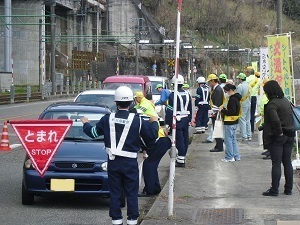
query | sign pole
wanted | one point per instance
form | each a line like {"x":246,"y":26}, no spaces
{"x":173,"y":151}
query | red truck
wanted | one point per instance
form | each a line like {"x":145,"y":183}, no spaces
{"x":134,"y":82}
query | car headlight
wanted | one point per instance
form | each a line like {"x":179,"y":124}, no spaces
{"x":104,"y":166}
{"x":28,"y":164}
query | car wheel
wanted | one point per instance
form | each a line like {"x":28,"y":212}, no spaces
{"x":27,"y":198}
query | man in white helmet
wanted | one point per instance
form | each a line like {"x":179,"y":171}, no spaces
{"x":183,"y":118}
{"x":122,"y":131}
{"x":202,"y":99}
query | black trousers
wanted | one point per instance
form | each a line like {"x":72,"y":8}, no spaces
{"x":219,"y":141}
{"x":252,"y":112}
{"x":150,"y":165}
{"x":281,"y":149}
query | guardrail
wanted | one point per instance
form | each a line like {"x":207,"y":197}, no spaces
{"x":46,"y":93}
{"x":18,"y":98}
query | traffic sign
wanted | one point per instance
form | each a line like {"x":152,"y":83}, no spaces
{"x":41,"y":139}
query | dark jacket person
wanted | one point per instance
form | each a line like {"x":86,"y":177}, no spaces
{"x":231,"y":114}
{"x":278,"y":136}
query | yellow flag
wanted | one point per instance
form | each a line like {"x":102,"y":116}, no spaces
{"x":279,"y":63}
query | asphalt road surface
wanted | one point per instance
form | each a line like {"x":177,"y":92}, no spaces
{"x":45,"y":211}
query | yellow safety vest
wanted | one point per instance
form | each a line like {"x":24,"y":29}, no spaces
{"x":161,"y":132}
{"x":233,"y":118}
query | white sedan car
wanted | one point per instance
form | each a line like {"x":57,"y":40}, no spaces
{"x":105,"y":97}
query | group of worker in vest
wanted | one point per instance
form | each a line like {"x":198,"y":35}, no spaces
{"x":237,"y":104}
{"x":125,"y":133}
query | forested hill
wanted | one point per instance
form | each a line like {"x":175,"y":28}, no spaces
{"x":208,"y":22}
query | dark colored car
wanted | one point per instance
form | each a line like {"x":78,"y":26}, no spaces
{"x":79,"y":158}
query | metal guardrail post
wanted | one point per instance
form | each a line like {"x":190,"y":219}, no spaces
{"x":43,"y":90}
{"x":68,"y":85}
{"x":73,"y":85}
{"x":28,"y":92}
{"x":78,"y":87}
{"x":61,"y":87}
{"x":99,"y":84}
{"x":49,"y":89}
{"x":90,"y":85}
{"x":95,"y":84}
{"x":12,"y":94}
{"x":84,"y":85}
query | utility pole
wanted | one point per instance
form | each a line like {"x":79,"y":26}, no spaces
{"x":40,"y":55}
{"x":7,"y":37}
{"x":279,"y":16}
{"x":137,"y":39}
{"x":228,"y":54}
{"x":53,"y":74}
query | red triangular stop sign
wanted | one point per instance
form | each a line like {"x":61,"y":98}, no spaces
{"x":41,"y":139}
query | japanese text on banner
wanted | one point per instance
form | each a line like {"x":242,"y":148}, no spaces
{"x":279,"y":63}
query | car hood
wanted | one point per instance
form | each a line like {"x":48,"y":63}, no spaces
{"x":83,"y":151}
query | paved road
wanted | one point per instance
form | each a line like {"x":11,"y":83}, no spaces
{"x":60,"y":210}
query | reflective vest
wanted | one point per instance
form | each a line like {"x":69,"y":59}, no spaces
{"x":246,"y":95}
{"x":184,"y":112}
{"x":147,"y":107}
{"x":114,"y":149}
{"x":205,"y":95}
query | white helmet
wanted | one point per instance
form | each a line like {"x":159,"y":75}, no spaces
{"x":180,"y":79}
{"x":201,"y":80}
{"x":123,"y":94}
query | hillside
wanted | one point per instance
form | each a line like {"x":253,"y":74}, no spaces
{"x":210,"y":22}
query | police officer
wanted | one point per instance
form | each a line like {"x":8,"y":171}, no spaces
{"x":183,"y":118}
{"x":150,"y":164}
{"x":202,"y":99}
{"x":122,"y":131}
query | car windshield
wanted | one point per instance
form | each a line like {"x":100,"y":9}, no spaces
{"x":75,"y":131}
{"x":108,"y":100}
{"x":133,"y":86}
{"x":154,"y":90}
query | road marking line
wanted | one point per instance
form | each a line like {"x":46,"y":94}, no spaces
{"x":15,"y":145}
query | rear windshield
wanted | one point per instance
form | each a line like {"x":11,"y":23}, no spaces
{"x":76,"y":130}
{"x":133,"y":87}
{"x":108,"y":100}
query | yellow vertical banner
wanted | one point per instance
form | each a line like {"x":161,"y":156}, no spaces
{"x":279,"y":63}
{"x":254,"y":66}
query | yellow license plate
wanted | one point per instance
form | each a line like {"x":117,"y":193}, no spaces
{"x":62,"y":185}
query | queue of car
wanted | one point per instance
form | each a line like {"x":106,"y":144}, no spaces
{"x":79,"y":159}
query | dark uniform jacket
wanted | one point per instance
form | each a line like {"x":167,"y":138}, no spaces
{"x":217,"y":96}
{"x":278,"y":119}
{"x":199,"y":95}
{"x":139,"y":128}
{"x":169,"y":108}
